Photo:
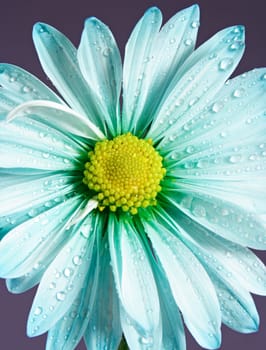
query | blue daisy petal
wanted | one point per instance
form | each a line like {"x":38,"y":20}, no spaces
{"x":30,"y":192}
{"x":68,"y":331}
{"x":63,"y":280}
{"x":61,"y":117}
{"x":131,"y":269}
{"x":36,"y":240}
{"x":237,"y":306}
{"x":197,"y":81}
{"x":219,"y":214}
{"x":172,"y":323}
{"x":23,"y":85}
{"x":59,"y":60}
{"x":235,"y":264}
{"x":100,"y":63}
{"x":155,"y":69}
{"x":104,"y":328}
{"x":232,"y":269}
{"x":200,"y":310}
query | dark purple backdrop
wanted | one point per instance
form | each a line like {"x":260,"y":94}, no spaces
{"x":16,"y":20}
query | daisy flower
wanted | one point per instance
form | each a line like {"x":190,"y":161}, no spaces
{"x":132,"y":197}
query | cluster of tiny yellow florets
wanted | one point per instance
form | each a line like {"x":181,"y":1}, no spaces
{"x":125,"y":172}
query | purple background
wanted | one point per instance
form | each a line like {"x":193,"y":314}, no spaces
{"x":16,"y":20}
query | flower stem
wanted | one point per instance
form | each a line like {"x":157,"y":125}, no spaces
{"x":123,"y":344}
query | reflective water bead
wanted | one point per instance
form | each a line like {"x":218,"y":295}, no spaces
{"x":216,"y":107}
{"x":146,"y":340}
{"x":77,"y":260}
{"x":38,"y":311}
{"x":68,"y":272}
{"x":195,"y":24}
{"x":238,"y":93}
{"x":188,"y":42}
{"x":225,"y":64}
{"x":60,"y":296}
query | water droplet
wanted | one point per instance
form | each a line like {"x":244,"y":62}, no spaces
{"x":77,"y":260}
{"x":12,"y":79}
{"x":46,"y":155}
{"x":236,"y":46}
{"x":202,"y":163}
{"x":199,"y":211}
{"x":216,"y":107}
{"x":193,"y":101}
{"x":263,"y":77}
{"x":179,"y":102}
{"x":60,"y":296}
{"x":235,"y":159}
{"x":68,"y":272}
{"x":237,"y":30}
{"x":223,"y":134}
{"x":238,"y":93}
{"x":32,"y":213}
{"x":26,"y":89}
{"x":212,"y":56}
{"x":172,"y":41}
{"x":52,"y":285}
{"x":38,"y":311}
{"x":225,"y":64}
{"x":190,"y":149}
{"x":188,"y":42}
{"x":146,"y":340}
{"x":195,"y":24}
{"x":106,"y":51}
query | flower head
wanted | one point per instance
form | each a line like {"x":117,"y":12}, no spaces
{"x":130,"y":214}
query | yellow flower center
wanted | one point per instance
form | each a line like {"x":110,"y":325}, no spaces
{"x":125,"y":172}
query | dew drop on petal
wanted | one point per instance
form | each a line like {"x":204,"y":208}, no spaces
{"x":67,"y":272}
{"x":46,"y":155}
{"x":235,"y":159}
{"x":188,"y":42}
{"x":216,"y":107}
{"x":238,"y":93}
{"x":77,"y":260}
{"x":60,"y":296}
{"x":38,"y":311}
{"x":190,"y":149}
{"x":225,"y":64}
{"x":195,"y":24}
{"x":52,"y":285}
{"x":235,"y":46}
{"x":146,"y":340}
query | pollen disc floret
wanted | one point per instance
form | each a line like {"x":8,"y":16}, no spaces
{"x":125,"y":172}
